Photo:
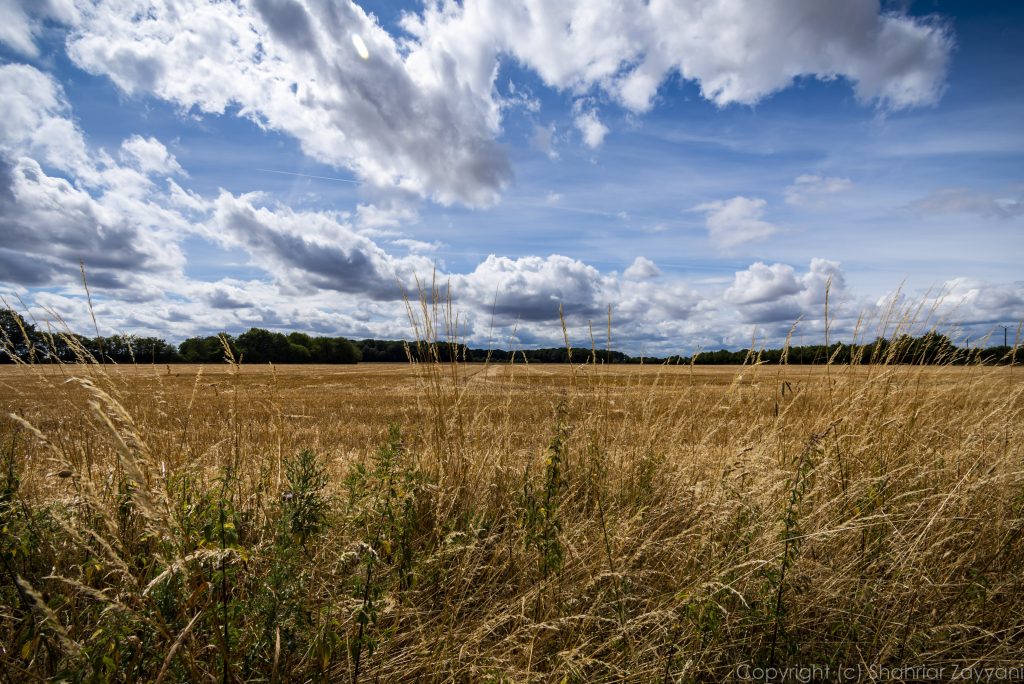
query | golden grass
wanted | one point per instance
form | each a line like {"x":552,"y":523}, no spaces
{"x":533,"y":523}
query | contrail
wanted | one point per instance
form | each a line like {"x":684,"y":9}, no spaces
{"x":306,"y":175}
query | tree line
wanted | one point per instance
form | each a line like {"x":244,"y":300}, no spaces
{"x":24,"y":340}
{"x":20,"y":339}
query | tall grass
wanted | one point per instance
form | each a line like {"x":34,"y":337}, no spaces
{"x":444,"y":521}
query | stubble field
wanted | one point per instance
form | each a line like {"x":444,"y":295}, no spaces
{"x":508,"y":522}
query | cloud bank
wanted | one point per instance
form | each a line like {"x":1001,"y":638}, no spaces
{"x":420,"y":112}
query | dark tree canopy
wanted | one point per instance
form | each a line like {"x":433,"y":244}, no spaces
{"x":208,"y":349}
{"x":18,"y":337}
{"x":264,"y":346}
{"x":22,"y":340}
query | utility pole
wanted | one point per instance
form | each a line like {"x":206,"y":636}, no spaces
{"x":1005,"y":328}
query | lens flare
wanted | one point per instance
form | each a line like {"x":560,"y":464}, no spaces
{"x":360,"y":46}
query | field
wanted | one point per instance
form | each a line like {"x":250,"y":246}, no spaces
{"x":507,"y":522}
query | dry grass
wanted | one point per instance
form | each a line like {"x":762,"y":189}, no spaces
{"x":530,"y":523}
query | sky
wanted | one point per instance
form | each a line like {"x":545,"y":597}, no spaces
{"x":703,"y":170}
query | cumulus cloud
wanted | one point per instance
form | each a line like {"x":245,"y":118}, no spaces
{"x":226,"y":295}
{"x":642,"y":268}
{"x":647,"y":307}
{"x":762,"y":283}
{"x":774,"y":293}
{"x":525,"y":295}
{"x":421,"y":112}
{"x":966,"y":201}
{"x":811,"y":190}
{"x":49,"y":225}
{"x":106,"y":214}
{"x":185,"y":200}
{"x":737,"y":52}
{"x":977,"y":304}
{"x":130,"y":230}
{"x":418,"y":117}
{"x":590,"y":126}
{"x":311,"y":250}
{"x":822,"y":275}
{"x":149,"y":156}
{"x":21,"y":21}
{"x":396,"y":120}
{"x":370,"y":218}
{"x":532,"y":288}
{"x":35,"y":120}
{"x":736,"y":221}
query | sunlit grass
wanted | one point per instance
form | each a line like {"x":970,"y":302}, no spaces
{"x":506,"y":522}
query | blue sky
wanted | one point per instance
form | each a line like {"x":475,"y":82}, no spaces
{"x":704,"y":167}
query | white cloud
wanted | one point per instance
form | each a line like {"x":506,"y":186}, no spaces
{"x":371,"y":217}
{"x":49,"y":225}
{"x":736,"y":221}
{"x":525,"y":294}
{"x":323,"y":274}
{"x":421,"y":113}
{"x":308,"y":251}
{"x":417,"y":246}
{"x":396,"y":120}
{"x":108,"y":215}
{"x":387,"y":117}
{"x":761,"y":283}
{"x":966,"y":201}
{"x":738,"y":52}
{"x":976,"y":304}
{"x":186,"y":200}
{"x":822,"y":274}
{"x":591,"y":128}
{"x":35,"y":119}
{"x":775,"y":294}
{"x":150,"y":156}
{"x":663,"y":308}
{"x":533,"y":287}
{"x":21,"y":21}
{"x":642,"y":268}
{"x":810,"y":189}
{"x":520,"y":97}
{"x":327,"y":278}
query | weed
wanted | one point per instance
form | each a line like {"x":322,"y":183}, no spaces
{"x":304,"y":504}
{"x":539,"y":516}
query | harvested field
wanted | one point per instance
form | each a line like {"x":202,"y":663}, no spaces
{"x":508,"y":522}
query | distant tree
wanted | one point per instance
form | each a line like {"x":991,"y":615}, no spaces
{"x":335,"y":350}
{"x":117,"y":348}
{"x":258,"y":345}
{"x":933,"y":347}
{"x":155,"y":350}
{"x":18,"y":337}
{"x":208,"y":349}
{"x":300,"y":349}
{"x":130,"y":349}
{"x":301,"y":339}
{"x":382,"y":350}
{"x":73,"y":348}
{"x":20,"y":340}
